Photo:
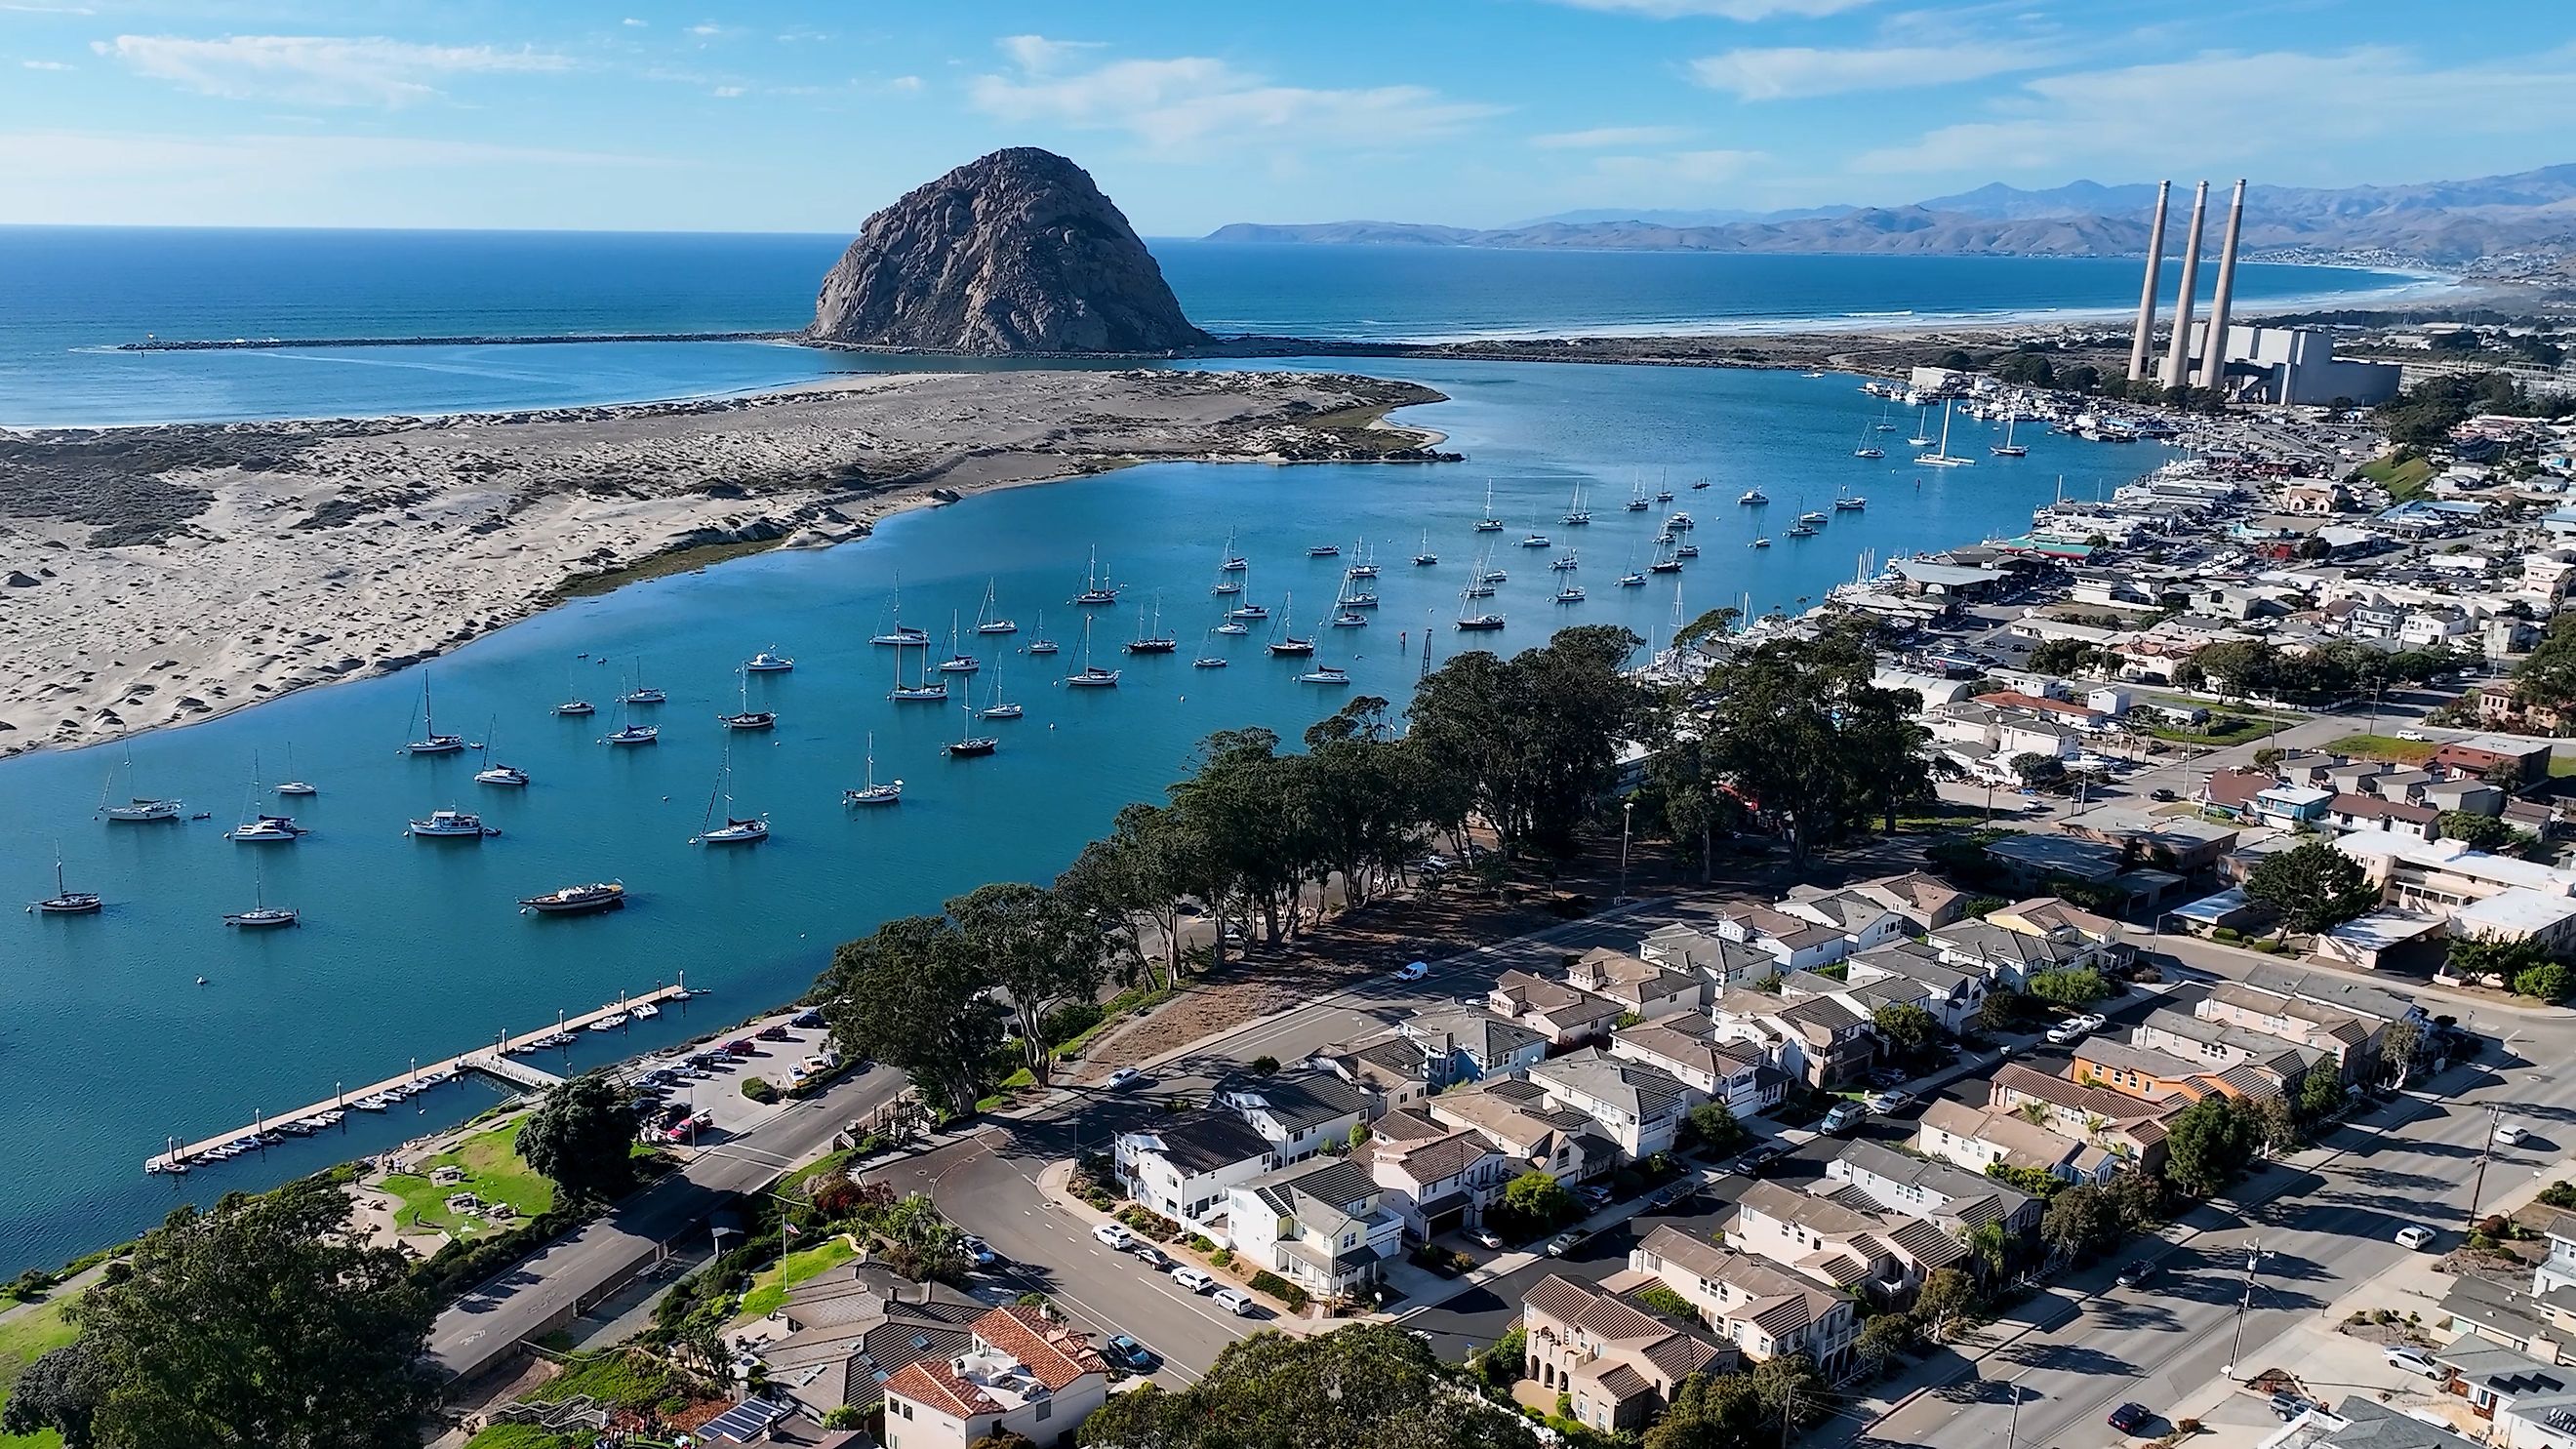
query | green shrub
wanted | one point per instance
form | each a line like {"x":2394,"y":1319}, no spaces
{"x":758,"y":1089}
{"x":1280,"y":1288}
{"x":1222,"y":1257}
{"x":2226,"y":933}
{"x":1201,"y":1242}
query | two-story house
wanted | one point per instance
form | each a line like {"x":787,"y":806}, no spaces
{"x":1615,"y":1361}
{"x":1763,"y":1310}
{"x":1431,"y":1051}
{"x":1795,"y":943}
{"x":1950,"y":993}
{"x":2129,"y":1129}
{"x":1025,"y":1374}
{"x":2349,"y":1037}
{"x":1861,"y":921}
{"x":1926,"y":900}
{"x":1323,"y":1225}
{"x":2009,"y":958}
{"x":1854,"y":1246}
{"x":1437,"y":1177}
{"x":1688,"y":1049}
{"x":1723,"y":960}
{"x":2156,"y":1076}
{"x":1817,"y":1040}
{"x":2218,"y":1045}
{"x":1977,"y":1138}
{"x":1641,"y":988}
{"x":849,"y":1327}
{"x":1515,"y":1115}
{"x":1959,"y":1200}
{"x":1184,"y":1166}
{"x":1553,"y":1009}
{"x":1295,"y":1112}
{"x":1637,"y":1106}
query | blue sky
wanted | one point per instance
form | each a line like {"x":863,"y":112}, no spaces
{"x":753,"y":116}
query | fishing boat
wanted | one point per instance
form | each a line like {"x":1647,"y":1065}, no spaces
{"x":65,"y":901}
{"x":1324,"y":550}
{"x":457,"y":824}
{"x":291,"y":786}
{"x":989,"y":620}
{"x":1426,"y":558}
{"x":872,"y":793}
{"x":1001,"y":708}
{"x":1287,"y":644}
{"x":1090,"y":675}
{"x":1489,"y":523}
{"x":431,"y":742}
{"x":1096,"y":593}
{"x":1570,"y":594}
{"x":767,"y":662}
{"x":736,"y":830}
{"x":1942,"y":457}
{"x":137,"y":809}
{"x":969,"y":745}
{"x":2008,"y":448}
{"x":1041,"y":644}
{"x":494,"y":772}
{"x":1325,"y":674}
{"x":261,"y":915}
{"x":1153,"y":641}
{"x":577,"y":900}
{"x":900,"y":635}
{"x":1753,"y":497}
{"x":1576,"y":515}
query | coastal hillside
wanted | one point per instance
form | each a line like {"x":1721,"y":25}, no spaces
{"x":2445,"y":223}
{"x":1016,"y":252}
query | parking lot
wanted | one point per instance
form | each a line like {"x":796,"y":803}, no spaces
{"x":703,"y":1083}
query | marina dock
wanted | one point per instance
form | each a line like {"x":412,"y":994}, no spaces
{"x":493,"y":1060}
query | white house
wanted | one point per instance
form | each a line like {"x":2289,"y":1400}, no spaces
{"x":1688,"y":1049}
{"x":1296,"y":1113}
{"x":1437,"y":1177}
{"x":1183,"y":1166}
{"x":1638,"y":1106}
{"x":1026,"y":1374}
{"x":1324,"y":1225}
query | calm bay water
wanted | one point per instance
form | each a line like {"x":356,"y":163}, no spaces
{"x":414,"y":947}
{"x":68,"y":296}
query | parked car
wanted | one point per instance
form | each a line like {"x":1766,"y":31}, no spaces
{"x":2511,"y":1134}
{"x":2412,"y":1359}
{"x":1412,"y":970}
{"x":2162,"y":796}
{"x":807,"y":1019}
{"x":1594,"y":1196}
{"x":1197,"y":1280}
{"x":1886,"y":1102}
{"x":2136,"y":1273}
{"x":1236,"y":1301}
{"x":2286,"y":1407}
{"x":741,"y":1046}
{"x":1758,"y":1157}
{"x":2414,"y":1235}
{"x":1152,"y":1257}
{"x":772,"y":1032}
{"x":2092,"y":1021}
{"x":1486,"y":1238}
{"x":1886,"y":1077}
{"x":1128,"y":1353}
{"x":1121,"y":1079}
{"x":1564,"y":1243}
{"x":2415,"y":735}
{"x":1844,"y":1117}
{"x":2066,"y":1033}
{"x":1114,"y":1235}
{"x":2128,"y":1417}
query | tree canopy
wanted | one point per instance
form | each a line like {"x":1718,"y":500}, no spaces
{"x":1361,"y":1386}
{"x":909,"y":994}
{"x":582,"y":1137}
{"x":2208,"y":1143}
{"x":1798,"y":734}
{"x":2314,"y":886}
{"x":1041,"y":950}
{"x":1532,"y":740}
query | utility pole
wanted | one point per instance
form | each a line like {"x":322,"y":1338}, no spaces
{"x":1627,"y":810}
{"x":2236,"y":1341}
{"x":2478,"y":1188}
{"x":2012,"y":1426}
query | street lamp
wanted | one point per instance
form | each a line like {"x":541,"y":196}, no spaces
{"x":2236,"y":1341}
{"x":1627,"y":810}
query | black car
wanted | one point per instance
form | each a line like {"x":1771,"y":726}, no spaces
{"x":1128,"y":1353}
{"x":2162,"y":796}
{"x":2128,"y":1417}
{"x":808,"y":1018}
{"x":1760,"y":1157}
{"x":2136,"y":1273}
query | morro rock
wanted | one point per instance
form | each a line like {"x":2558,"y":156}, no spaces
{"x":1017,"y":252}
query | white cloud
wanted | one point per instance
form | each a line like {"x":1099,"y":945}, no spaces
{"x":45,"y":65}
{"x":1603,"y":137}
{"x":632,"y":21}
{"x":725,"y":92}
{"x":1745,"y":10}
{"x":35,"y":155}
{"x":32,"y":9}
{"x":908,"y":84}
{"x":1190,"y":104}
{"x":315,"y":69}
{"x":1789,"y":72}
{"x":705,"y":28}
{"x":1038,"y":55}
{"x":1676,"y":170}
{"x":2315,"y":104}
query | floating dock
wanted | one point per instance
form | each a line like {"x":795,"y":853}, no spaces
{"x":491,"y":1060}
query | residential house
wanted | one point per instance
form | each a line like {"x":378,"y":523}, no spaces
{"x":2507,"y":757}
{"x":1861,"y":921}
{"x":851,"y":1327}
{"x":2216,"y":1045}
{"x":2230,"y":790}
{"x":2068,"y":924}
{"x":1638,"y":1106}
{"x":1025,"y":1373}
{"x":1466,"y":1044}
{"x":2009,"y":958}
{"x":2292,"y":807}
{"x":1796,"y":943}
{"x":2350,"y":1038}
{"x":1323,"y":1225}
{"x":2178,"y":843}
{"x":1926,"y":900}
{"x":2156,"y":1076}
{"x":2477,"y":893}
{"x":1517,"y":1118}
{"x":1977,"y":1138}
{"x":2558,"y":1226}
{"x":1297,"y":1113}
{"x":1615,"y":1362}
{"x":2363,"y":1423}
{"x":1641,"y":988}
{"x":1818,"y":1040}
{"x":1840,"y":1242}
{"x":1553,"y":1009}
{"x":1952,"y":994}
{"x":2369,"y":812}
{"x":2129,"y":1129}
{"x":1724,"y":961}
{"x":1957,"y":1199}
{"x":2529,"y":1400}
{"x":1688,"y":1049}
{"x":1437,"y":1177}
{"x":1184,"y":1166}
{"x":1763,"y":1310}
{"x":2465,"y":794}
{"x":2030,"y":861}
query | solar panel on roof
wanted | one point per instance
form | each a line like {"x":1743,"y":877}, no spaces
{"x":744,"y":1422}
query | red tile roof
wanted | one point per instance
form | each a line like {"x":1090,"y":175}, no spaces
{"x":933,"y":1382}
{"x":1055,"y":1353}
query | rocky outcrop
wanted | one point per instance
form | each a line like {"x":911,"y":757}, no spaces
{"x":1018,"y":252}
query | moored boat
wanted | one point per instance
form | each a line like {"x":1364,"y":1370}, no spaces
{"x":576,"y":900}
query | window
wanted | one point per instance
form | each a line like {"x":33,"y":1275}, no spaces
{"x":902,"y":1406}
{"x":1045,"y":1407}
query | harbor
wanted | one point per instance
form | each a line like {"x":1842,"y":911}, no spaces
{"x":495,"y":1061}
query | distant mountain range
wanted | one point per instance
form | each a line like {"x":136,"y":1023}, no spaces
{"x":2446,"y":223}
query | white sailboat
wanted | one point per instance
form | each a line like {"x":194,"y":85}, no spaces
{"x":262,"y":915}
{"x":1942,"y":457}
{"x":258,"y":827}
{"x":899,"y":635}
{"x":1042,"y":644}
{"x":1090,"y":675}
{"x":431,"y":742}
{"x":1489,"y":523}
{"x":1576,"y":515}
{"x":2008,"y":448}
{"x":137,"y":809}
{"x":736,"y":830}
{"x":873,"y":793}
{"x":493,"y":771}
{"x":989,"y":619}
{"x":1096,"y":592}
{"x":744,"y":716}
{"x":642,"y":693}
{"x":291,"y":785}
{"x":1001,"y":708}
{"x":1426,"y":558}
{"x":958,"y":661}
{"x":928,"y":691}
{"x":65,"y":901}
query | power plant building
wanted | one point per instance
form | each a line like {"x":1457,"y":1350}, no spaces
{"x":2294,"y":365}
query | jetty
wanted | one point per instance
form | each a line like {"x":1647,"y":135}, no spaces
{"x":493,"y":1060}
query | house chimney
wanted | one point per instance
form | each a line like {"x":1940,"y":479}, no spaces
{"x":2178,"y":356}
{"x":2145,"y":336}
{"x":2213,"y":359}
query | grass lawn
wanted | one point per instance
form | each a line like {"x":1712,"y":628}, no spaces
{"x":2404,"y":480}
{"x":2389,"y":747}
{"x":768,"y":1293}
{"x":621,"y":1378}
{"x":528,"y":1436}
{"x":494,"y":1172}
{"x":2562,"y":765}
{"x":23,"y":1340}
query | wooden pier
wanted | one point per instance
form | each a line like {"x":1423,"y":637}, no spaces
{"x":491,"y":1060}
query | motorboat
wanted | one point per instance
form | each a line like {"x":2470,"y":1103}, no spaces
{"x":1688,"y":550}
{"x":1570,"y":594}
{"x":453,"y":823}
{"x":1235,"y":627}
{"x":266,"y":830}
{"x":1358,"y":601}
{"x":1324,"y":550}
{"x":1680,"y":523}
{"x":1492,"y":576}
{"x":1208,"y":661}
{"x":644,"y":1011}
{"x":1753,"y":497}
{"x":873,"y":793}
{"x":1850,"y":503}
{"x":575,"y":900}
{"x":1475,"y":623}
{"x":1536,"y":540}
{"x":1761,"y":543}
{"x":612,"y":1021}
{"x":576,"y":708}
{"x":1254,"y":612}
{"x":1325,"y":674}
{"x":1812,"y":517}
{"x":1632,"y":581}
{"x":765,"y":662}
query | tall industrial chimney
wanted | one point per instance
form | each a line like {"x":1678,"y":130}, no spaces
{"x":2178,"y":356}
{"x":2213,"y":357}
{"x":2145,"y":335}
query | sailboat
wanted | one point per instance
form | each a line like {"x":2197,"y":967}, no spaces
{"x":1576,"y":515}
{"x":1632,"y":579}
{"x":628,"y":732}
{"x":1883,"y":425}
{"x":1666,"y":561}
{"x":928,"y":691}
{"x":1095,"y":593}
{"x":1865,"y":448}
{"x":736,"y":830}
{"x":1042,"y":644}
{"x":969,"y":745}
{"x":493,"y":771}
{"x":65,"y":901}
{"x":744,"y":716}
{"x":1001,"y":708}
{"x":1474,"y":623}
{"x":291,"y":785}
{"x":1366,"y":568}
{"x":258,"y":828}
{"x":1921,"y":439}
{"x":138,"y":809}
{"x":431,"y":742}
{"x":958,"y":661}
{"x":989,"y":620}
{"x":642,"y":693}
{"x":1285,"y":643}
{"x":2008,"y":448}
{"x":1155,"y":642}
{"x":872,"y":793}
{"x":1234,"y":563}
{"x":262,"y":915}
{"x":1849,"y":502}
{"x":575,"y":707}
{"x":900,"y":635}
{"x":1637,"y":502}
{"x":1489,"y":523}
{"x":1426,"y":558}
{"x":1091,"y":676}
{"x":1942,"y":457}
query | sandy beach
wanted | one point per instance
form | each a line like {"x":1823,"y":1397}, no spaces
{"x":155,"y":576}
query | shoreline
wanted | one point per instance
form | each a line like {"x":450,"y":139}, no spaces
{"x":170,"y":575}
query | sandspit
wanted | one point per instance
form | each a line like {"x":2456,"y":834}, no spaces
{"x":154,"y":576}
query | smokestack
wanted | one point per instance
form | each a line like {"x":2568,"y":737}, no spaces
{"x":2213,"y":358}
{"x":2145,"y":336}
{"x":2178,"y":356}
